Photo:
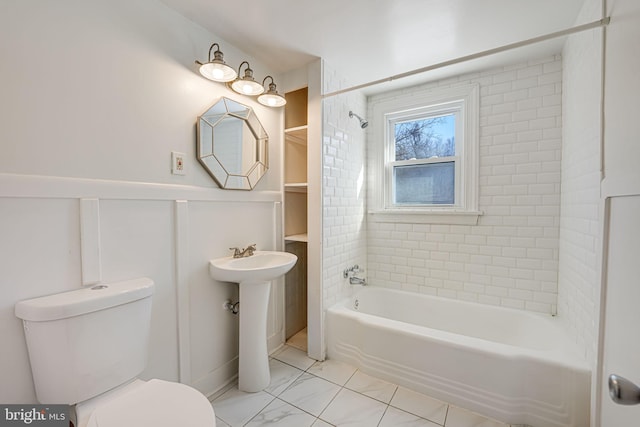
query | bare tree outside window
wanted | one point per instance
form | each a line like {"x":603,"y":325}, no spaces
{"x":428,"y":139}
{"x":425,"y":138}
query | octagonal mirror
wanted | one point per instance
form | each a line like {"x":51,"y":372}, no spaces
{"x":232,"y":145}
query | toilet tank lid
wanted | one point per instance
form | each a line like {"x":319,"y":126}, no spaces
{"x":84,"y":300}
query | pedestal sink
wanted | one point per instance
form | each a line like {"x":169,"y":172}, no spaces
{"x":254,"y":275}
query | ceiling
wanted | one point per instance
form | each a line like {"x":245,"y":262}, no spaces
{"x":368,"y":40}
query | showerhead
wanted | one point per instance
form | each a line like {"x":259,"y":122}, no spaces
{"x":363,"y":122}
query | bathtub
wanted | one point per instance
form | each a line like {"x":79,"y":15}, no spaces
{"x":514,"y":366}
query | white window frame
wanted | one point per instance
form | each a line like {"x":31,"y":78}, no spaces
{"x":454,"y":108}
{"x":463,"y":102}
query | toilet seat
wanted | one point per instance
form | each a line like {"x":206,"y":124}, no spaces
{"x":156,"y":403}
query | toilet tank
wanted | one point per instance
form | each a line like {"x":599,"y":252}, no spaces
{"x":87,"y":341}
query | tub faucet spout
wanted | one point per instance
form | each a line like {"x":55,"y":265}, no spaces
{"x":353,"y":280}
{"x":351,"y":274}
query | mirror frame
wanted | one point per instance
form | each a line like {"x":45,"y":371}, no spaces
{"x":223,"y":110}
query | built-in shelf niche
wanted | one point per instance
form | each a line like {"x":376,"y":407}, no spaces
{"x":295,"y":209}
{"x":295,"y":114}
{"x":295,"y":213}
{"x":295,"y":152}
{"x":295,"y":164}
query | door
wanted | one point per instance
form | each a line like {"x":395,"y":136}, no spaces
{"x":621,"y":355}
{"x":620,"y":316}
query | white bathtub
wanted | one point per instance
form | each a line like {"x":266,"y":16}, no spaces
{"x":511,"y":365}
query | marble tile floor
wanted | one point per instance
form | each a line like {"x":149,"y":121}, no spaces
{"x":304,"y":392}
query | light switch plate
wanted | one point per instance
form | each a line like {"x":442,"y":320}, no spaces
{"x":177,"y":163}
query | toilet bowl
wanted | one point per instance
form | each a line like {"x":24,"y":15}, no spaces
{"x":104,"y":332}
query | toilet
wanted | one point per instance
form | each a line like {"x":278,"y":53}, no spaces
{"x":87,"y":347}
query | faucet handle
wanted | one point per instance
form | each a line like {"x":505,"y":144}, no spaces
{"x":236,"y":252}
{"x":349,"y":272}
{"x":251,"y":249}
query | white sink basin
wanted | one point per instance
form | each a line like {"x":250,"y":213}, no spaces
{"x":254,"y":275}
{"x":261,"y":266}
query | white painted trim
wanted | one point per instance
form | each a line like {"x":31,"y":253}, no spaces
{"x":37,"y":186}
{"x":90,"y":241}
{"x":182,"y":289}
{"x":209,"y":384}
{"x":275,"y":340}
{"x":596,"y":381}
{"x":277,"y":303}
{"x":315,"y":164}
{"x":278,"y":227}
{"x":616,"y":187}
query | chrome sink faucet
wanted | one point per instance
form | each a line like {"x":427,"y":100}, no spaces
{"x":243,"y":253}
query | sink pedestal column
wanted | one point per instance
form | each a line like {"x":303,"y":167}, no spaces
{"x":253,"y":370}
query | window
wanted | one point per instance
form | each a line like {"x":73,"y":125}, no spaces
{"x":426,"y":155}
{"x":422,"y":165}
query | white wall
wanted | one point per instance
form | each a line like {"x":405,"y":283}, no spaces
{"x":580,"y":222}
{"x":622,"y":86}
{"x":511,"y":257}
{"x":112,"y":83}
{"x":344,"y":188}
{"x":95,"y":96}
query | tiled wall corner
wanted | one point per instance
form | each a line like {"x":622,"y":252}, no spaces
{"x":578,"y":276}
{"x":511,"y":257}
{"x":344,"y":231}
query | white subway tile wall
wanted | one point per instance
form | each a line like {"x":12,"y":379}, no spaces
{"x":344,"y":191}
{"x":580,"y":222}
{"x":511,"y":257}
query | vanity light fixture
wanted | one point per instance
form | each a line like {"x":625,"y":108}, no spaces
{"x":247,"y":85}
{"x":271,"y":98}
{"x":216,"y":69}
{"x":219,"y":71}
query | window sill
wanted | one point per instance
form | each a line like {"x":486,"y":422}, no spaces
{"x":425,"y":217}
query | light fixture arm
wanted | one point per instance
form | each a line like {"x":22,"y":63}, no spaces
{"x":265,"y":79}
{"x":217,"y":53}
{"x":248,"y":72}
{"x":272,"y":85}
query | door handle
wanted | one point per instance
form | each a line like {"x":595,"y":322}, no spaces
{"x":623,"y":391}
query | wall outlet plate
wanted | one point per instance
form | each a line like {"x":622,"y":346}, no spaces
{"x":177,"y":163}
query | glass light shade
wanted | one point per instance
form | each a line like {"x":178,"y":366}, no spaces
{"x":247,"y":86}
{"x":218,"y":72}
{"x":272,"y":99}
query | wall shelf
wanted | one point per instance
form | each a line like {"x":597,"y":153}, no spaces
{"x":296,"y":187}
{"x":296,"y":238}
{"x":297,"y":135}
